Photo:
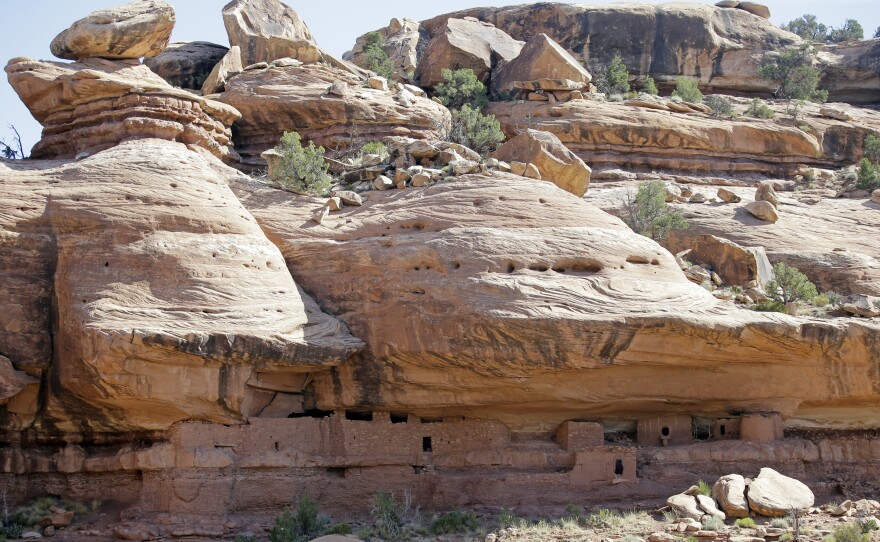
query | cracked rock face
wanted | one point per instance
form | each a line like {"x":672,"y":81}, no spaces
{"x":169,"y":298}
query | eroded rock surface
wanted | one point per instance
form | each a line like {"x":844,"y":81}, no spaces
{"x":90,"y":106}
{"x":554,"y":161}
{"x":540,"y":299}
{"x":267,"y":30}
{"x":772,"y":494}
{"x":170,"y":302}
{"x":131,"y":31}
{"x":540,"y":58}
{"x":326,"y":105}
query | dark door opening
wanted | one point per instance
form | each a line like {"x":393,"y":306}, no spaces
{"x":618,"y":467}
{"x":426,"y":444}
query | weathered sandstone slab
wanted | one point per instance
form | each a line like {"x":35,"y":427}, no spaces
{"x":404,"y":44}
{"x":730,"y":492}
{"x":131,"y":31}
{"x":540,"y":58}
{"x":267,"y":30}
{"x":92,"y":105}
{"x":774,"y":495}
{"x":554,"y":161}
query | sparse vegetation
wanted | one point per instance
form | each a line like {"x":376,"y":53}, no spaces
{"x":647,"y":214}
{"x":300,"y":169}
{"x":759,"y":110}
{"x":745,"y":523}
{"x":790,"y":285}
{"x":13,"y":150}
{"x":721,"y":106}
{"x":868,"y":172}
{"x":339,"y":528}
{"x":780,"y":523}
{"x":649,"y":86}
{"x":712,"y":523}
{"x":460,"y":88}
{"x":850,"y":31}
{"x":688,"y":90}
{"x":604,"y":519}
{"x":388,"y":516}
{"x":377,"y":59}
{"x":851,"y":532}
{"x":302,"y":527}
{"x":794,"y":75}
{"x":704,"y":489}
{"x":472,"y":129}
{"x":615,"y":78}
{"x":454,"y":522}
{"x":807,"y":27}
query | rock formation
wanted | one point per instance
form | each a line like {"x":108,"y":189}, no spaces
{"x":187,"y":64}
{"x":554,"y":161}
{"x":774,"y":495}
{"x":285,"y":98}
{"x":540,"y":58}
{"x":170,"y":304}
{"x":615,"y":135}
{"x":404,"y":43}
{"x":267,"y":30}
{"x":850,"y":71}
{"x":92,"y":105}
{"x":135,"y":30}
{"x":465,"y":43}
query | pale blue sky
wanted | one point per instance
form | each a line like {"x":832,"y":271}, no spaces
{"x":28,"y":26}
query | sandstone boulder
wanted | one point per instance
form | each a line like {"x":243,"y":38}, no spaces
{"x":730,"y":492}
{"x":12,"y":382}
{"x":727,"y":196}
{"x":540,"y":58}
{"x":465,"y":44}
{"x":92,"y":105}
{"x":227,"y":67}
{"x":875,"y":196}
{"x":685,"y":506}
{"x":736,"y":265}
{"x":553,"y":160}
{"x":707,"y":504}
{"x":266,"y":30}
{"x":863,"y":305}
{"x":766,"y":192}
{"x":404,"y":45}
{"x":275,"y":100}
{"x":763,"y":210}
{"x":135,"y":30}
{"x":772,"y":494}
{"x":187,"y":64}
{"x":750,"y":7}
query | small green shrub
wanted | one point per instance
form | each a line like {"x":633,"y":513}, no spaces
{"x":780,"y":523}
{"x":284,"y":529}
{"x":759,"y":110}
{"x":790,"y":285}
{"x":868,"y":175}
{"x":472,"y":129}
{"x":688,"y":90}
{"x":786,"y":537}
{"x":721,"y":106}
{"x":704,"y":489}
{"x":614,"y":78}
{"x":375,"y":147}
{"x":339,"y":528}
{"x":745,"y":523}
{"x":376,"y":59}
{"x":821,"y":300}
{"x":769,"y":306}
{"x":388,"y":516}
{"x":646,"y":212}
{"x":508,"y":519}
{"x":574,"y":512}
{"x":460,"y":88}
{"x":455,"y":522}
{"x":867,"y":524}
{"x":871,"y":149}
{"x":650,"y":87}
{"x":302,"y":527}
{"x":301,"y":169}
{"x":851,"y":532}
{"x":713,"y":524}
{"x":604,"y":519}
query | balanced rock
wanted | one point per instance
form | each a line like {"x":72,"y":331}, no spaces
{"x":865,"y":306}
{"x":755,"y":9}
{"x":554,"y":161}
{"x":187,"y":64}
{"x":730,"y":492}
{"x":766,"y":192}
{"x":266,"y":30}
{"x":135,"y":30}
{"x":92,"y":105}
{"x":540,"y":58}
{"x":763,"y":210}
{"x":465,"y":44}
{"x":772,"y":494}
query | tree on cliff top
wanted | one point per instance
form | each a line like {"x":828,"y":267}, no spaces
{"x":790,"y":285}
{"x":850,"y":31}
{"x":794,"y":74}
{"x":808,"y":28}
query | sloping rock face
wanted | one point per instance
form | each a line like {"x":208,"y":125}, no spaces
{"x":267,"y":30}
{"x":279,"y":99}
{"x":135,"y":30}
{"x":169,"y":302}
{"x":534,"y":308}
{"x":187,"y":64}
{"x":540,"y":58}
{"x":463,"y":43}
{"x":614,"y":135}
{"x":93,"y":105}
{"x":851,"y":71}
{"x":717,"y":46}
{"x":772,"y":494}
